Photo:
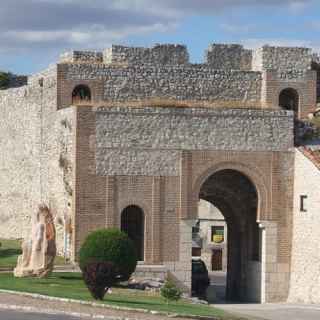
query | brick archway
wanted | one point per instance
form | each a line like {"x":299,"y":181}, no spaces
{"x":252,"y":173}
{"x":241,"y":195}
{"x":289,"y":99}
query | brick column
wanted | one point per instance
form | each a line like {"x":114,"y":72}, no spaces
{"x":156,"y":217}
{"x":185,"y":184}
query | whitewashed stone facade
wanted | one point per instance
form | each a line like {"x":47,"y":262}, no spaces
{"x":305,"y":269}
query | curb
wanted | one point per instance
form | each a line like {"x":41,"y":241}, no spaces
{"x":53,"y":312}
{"x":99,"y":305}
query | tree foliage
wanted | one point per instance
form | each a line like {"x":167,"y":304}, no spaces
{"x":107,"y":256}
{"x":4,"y":80}
{"x":170,"y":291}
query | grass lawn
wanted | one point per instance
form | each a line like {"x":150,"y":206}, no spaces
{"x":71,"y":285}
{"x":11,"y":249}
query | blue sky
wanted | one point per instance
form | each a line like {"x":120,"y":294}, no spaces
{"x":34,"y":32}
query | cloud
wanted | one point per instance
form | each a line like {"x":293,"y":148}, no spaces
{"x":96,"y":23}
{"x":237,"y":28}
{"x":255,"y":43}
{"x":67,"y":23}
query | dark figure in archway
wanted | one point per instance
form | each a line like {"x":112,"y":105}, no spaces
{"x":81,"y":94}
{"x":237,"y":199}
{"x":132,"y":223}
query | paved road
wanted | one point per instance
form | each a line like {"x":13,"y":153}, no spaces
{"x":275,"y":311}
{"x":13,"y":315}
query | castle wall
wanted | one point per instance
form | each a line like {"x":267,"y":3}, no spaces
{"x":19,"y":161}
{"x":32,"y":139}
{"x":125,"y":145}
{"x":107,"y":182}
{"x":305,"y":270}
{"x":230,"y":77}
{"x":110,"y":83}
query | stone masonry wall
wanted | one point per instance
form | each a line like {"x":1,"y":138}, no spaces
{"x":81,"y":56}
{"x":305,"y":270}
{"x":159,"y":54}
{"x":19,"y":162}
{"x":32,"y":137}
{"x":228,"y":56}
{"x":148,"y":141}
{"x":139,"y":82}
{"x":282,"y":59}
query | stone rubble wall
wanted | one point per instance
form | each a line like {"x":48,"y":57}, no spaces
{"x":282,"y":59}
{"x":184,"y":82}
{"x":165,"y":54}
{"x":229,"y":57}
{"x":30,"y":143}
{"x":19,"y":162}
{"x":81,"y":56}
{"x":147,"y":141}
{"x":305,"y":269}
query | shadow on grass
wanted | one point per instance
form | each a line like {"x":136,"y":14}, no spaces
{"x":131,"y":302}
{"x":5,"y":253}
{"x":75,"y":277}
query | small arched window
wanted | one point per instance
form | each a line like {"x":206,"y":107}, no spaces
{"x":81,"y":94}
{"x":289,"y":99}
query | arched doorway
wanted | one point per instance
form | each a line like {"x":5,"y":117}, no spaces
{"x":81,"y":94}
{"x":289,"y":100}
{"x":236,"y":197}
{"x":132,"y":223}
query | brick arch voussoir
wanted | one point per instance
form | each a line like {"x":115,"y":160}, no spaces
{"x":136,"y":203}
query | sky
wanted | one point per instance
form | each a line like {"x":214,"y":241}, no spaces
{"x":33,"y":33}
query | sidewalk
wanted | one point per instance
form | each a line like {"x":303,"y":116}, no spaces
{"x":275,"y":311}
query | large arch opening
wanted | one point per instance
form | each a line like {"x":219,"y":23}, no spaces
{"x":236,"y":197}
{"x":132,"y":223}
{"x":289,"y":100}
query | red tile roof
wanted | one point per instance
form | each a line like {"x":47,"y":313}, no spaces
{"x":312,"y":154}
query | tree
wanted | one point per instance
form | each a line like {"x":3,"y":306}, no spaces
{"x":4,"y":80}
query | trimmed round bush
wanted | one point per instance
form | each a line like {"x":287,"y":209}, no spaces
{"x":112,"y":246}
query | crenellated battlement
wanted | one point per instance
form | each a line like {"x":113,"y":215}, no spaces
{"x":81,"y":56}
{"x":166,"y":54}
{"x":282,"y":58}
{"x":228,"y":56}
{"x":217,"y":56}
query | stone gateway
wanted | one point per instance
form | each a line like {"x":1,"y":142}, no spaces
{"x":134,"y":137}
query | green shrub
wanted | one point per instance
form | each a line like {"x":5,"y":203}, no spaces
{"x":112,"y":246}
{"x":4,"y":80}
{"x":170,"y":291}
